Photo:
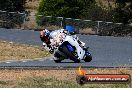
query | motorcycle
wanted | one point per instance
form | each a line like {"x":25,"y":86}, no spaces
{"x":71,"y":49}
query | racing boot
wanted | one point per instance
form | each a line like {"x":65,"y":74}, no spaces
{"x":81,"y":43}
{"x":86,"y":48}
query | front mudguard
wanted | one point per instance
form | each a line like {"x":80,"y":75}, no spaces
{"x":88,"y":56}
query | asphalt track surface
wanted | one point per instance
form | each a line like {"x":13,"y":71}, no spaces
{"x":107,"y":51}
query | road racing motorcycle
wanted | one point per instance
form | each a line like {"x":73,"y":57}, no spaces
{"x":71,"y":49}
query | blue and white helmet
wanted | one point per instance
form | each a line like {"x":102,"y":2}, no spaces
{"x":70,"y":28}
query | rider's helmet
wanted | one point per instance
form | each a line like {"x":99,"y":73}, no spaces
{"x":44,"y":36}
{"x":70,"y":29}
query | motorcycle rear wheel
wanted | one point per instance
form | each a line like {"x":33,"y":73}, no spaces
{"x":69,"y":54}
{"x":57,"y":61}
{"x":57,"y":57}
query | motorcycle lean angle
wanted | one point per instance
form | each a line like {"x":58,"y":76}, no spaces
{"x":65,"y":45}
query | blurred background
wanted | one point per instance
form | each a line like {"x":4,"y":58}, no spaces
{"x":99,"y":17}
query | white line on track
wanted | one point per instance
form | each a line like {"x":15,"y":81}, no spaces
{"x":50,"y":59}
{"x":7,"y":62}
{"x":24,"y":61}
{"x":41,"y":60}
{"x":27,"y":60}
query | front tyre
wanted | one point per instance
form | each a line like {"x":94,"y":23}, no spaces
{"x":88,"y":58}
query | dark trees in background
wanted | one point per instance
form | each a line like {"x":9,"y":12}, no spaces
{"x":123,"y":11}
{"x":12,"y":5}
{"x":88,"y":9}
{"x":12,"y":19}
{"x":65,"y":8}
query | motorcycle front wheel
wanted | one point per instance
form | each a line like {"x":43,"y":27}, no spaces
{"x":88,"y":58}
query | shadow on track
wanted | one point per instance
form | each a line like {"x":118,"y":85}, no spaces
{"x":71,"y":62}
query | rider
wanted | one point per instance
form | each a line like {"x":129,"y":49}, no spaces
{"x":52,"y":39}
{"x":44,"y":36}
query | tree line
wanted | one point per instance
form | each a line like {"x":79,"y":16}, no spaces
{"x":88,"y":9}
{"x":12,"y":5}
{"x":82,"y":9}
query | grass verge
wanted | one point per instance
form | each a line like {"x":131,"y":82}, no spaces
{"x":15,"y":51}
{"x":54,"y":78}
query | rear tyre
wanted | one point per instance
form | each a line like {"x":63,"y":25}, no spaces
{"x":69,"y":54}
{"x":57,"y":57}
{"x":57,"y":61}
